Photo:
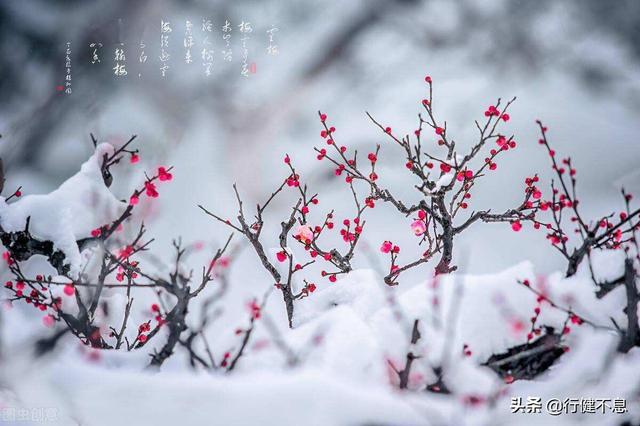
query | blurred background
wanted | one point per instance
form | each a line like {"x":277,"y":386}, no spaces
{"x":573,"y":64}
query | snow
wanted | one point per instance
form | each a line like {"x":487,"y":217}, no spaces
{"x":346,"y":335}
{"x":444,"y":180}
{"x":69,"y":213}
{"x":607,"y":265}
{"x":361,"y":291}
{"x":283,"y":399}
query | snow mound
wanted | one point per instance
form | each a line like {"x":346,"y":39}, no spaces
{"x":346,"y":376}
{"x":292,"y":398}
{"x":81,"y":204}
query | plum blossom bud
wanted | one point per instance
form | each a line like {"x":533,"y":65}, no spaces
{"x":386,"y":247}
